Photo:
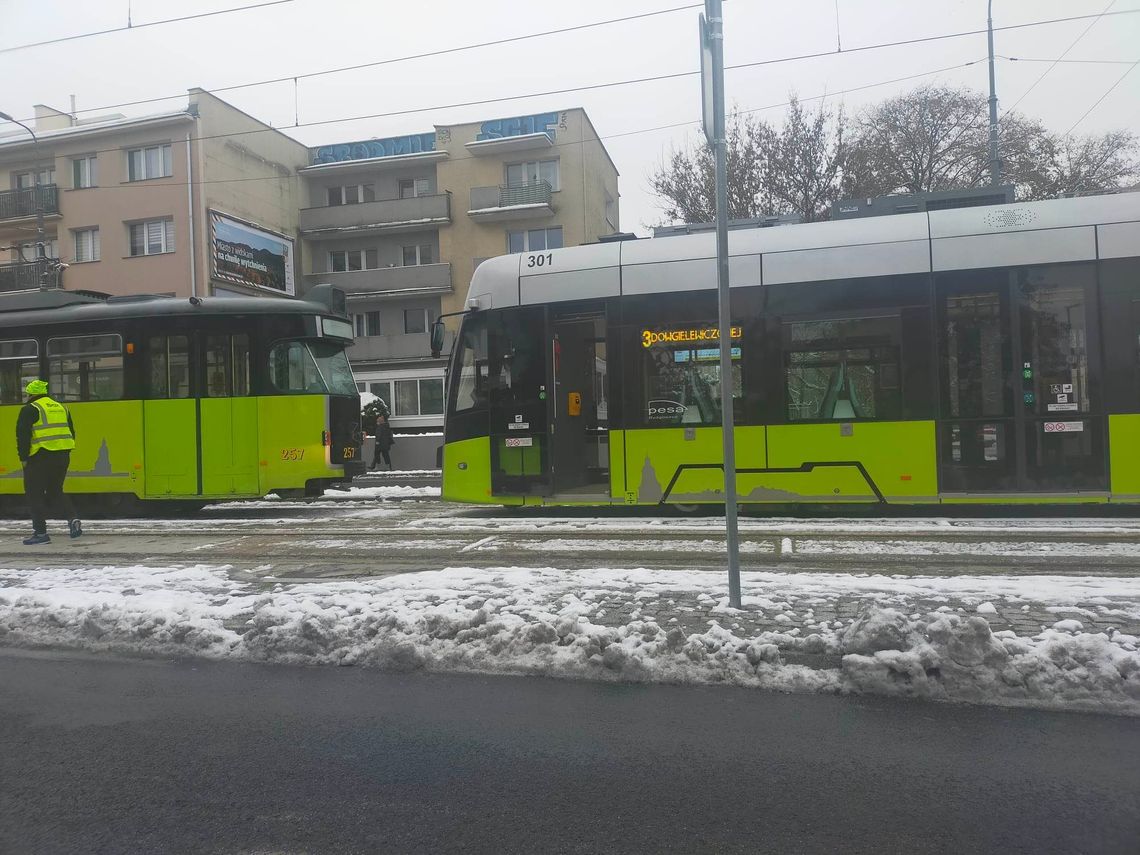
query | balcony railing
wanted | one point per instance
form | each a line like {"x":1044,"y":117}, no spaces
{"x":19,"y":204}
{"x":510,"y":201}
{"x":382,"y":215}
{"x":414,"y":278}
{"x":30,"y":275}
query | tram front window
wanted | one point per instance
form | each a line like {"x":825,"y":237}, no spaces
{"x":311,"y":367}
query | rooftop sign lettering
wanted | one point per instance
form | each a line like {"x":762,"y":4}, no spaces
{"x":541,"y":123}
{"x":390,"y":147}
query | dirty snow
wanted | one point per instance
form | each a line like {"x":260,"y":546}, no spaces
{"x":545,"y":621}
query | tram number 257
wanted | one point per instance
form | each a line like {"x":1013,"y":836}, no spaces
{"x":349,"y":453}
{"x":292,"y":454}
{"x":542,"y":259}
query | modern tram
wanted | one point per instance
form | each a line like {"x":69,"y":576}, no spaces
{"x":964,"y":356}
{"x":185,"y":401}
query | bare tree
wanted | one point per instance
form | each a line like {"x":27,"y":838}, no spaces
{"x":796,"y":169}
{"x":937,"y":138}
{"x":805,"y":166}
{"x":686,"y":182}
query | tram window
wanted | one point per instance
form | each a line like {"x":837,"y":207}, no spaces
{"x":975,"y":353}
{"x":842,"y":369}
{"x":19,"y":365}
{"x":311,"y":367}
{"x":86,"y":367}
{"x":227,"y":366}
{"x":1054,"y":339}
{"x":682,"y":376}
{"x":169,"y":366}
{"x":471,"y":376}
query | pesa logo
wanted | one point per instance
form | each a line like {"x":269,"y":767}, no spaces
{"x":666,"y":409}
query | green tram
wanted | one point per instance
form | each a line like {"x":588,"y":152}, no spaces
{"x":973,"y":355}
{"x":185,"y":401}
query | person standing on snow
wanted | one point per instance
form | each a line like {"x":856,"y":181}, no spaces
{"x":385,"y":439}
{"x":45,"y":436}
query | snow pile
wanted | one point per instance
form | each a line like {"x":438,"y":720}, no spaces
{"x":548,"y":622}
{"x":394,"y":491}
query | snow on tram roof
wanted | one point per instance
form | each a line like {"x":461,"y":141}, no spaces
{"x":1060,"y":230}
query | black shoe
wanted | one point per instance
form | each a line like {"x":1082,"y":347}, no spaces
{"x":74,"y":529}
{"x":36,"y":539}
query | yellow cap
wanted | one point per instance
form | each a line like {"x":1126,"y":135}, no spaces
{"x":37,"y":387}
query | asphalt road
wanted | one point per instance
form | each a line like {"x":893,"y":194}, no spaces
{"x":112,"y":755}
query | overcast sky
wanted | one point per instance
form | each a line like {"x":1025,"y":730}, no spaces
{"x":305,"y":36}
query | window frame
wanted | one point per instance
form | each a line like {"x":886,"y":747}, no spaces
{"x":419,"y":254}
{"x":165,"y":157}
{"x":84,"y":172}
{"x":168,"y":244}
{"x":94,"y":242}
{"x":58,"y":386}
{"x":17,"y":390}
{"x":538,"y":178}
{"x":426,"y":314}
{"x":525,"y":233}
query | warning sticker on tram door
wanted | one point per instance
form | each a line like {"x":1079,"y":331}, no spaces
{"x":519,"y":441}
{"x":1064,"y":427}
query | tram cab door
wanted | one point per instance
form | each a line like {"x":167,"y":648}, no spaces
{"x":579,"y":430}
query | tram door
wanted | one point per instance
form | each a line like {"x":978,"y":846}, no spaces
{"x":579,"y":429}
{"x":227,"y":420}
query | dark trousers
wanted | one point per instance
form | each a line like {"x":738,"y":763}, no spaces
{"x":44,"y":474}
{"x":382,"y":452}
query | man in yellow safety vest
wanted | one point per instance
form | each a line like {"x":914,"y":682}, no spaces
{"x":45,"y":436}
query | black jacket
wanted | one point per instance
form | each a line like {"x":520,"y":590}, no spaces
{"x":29,"y":415}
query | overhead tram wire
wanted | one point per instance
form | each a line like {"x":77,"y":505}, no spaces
{"x":1059,"y":59}
{"x":291,"y":78}
{"x":1108,"y":92}
{"x":130,"y":27}
{"x":670,"y":126}
{"x":760,"y":63}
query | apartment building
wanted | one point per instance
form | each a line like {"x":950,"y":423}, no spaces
{"x":401,"y":223}
{"x":193,"y":202}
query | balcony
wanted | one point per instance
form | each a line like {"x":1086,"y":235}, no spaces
{"x":386,"y":347}
{"x":511,"y":202}
{"x":21,"y":204}
{"x":382,"y":216}
{"x":419,"y":279}
{"x":30,"y":275}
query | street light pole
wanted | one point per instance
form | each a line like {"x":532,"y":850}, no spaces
{"x":995,"y":164}
{"x":39,"y":201}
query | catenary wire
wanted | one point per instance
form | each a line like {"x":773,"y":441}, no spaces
{"x":1098,"y":101}
{"x":142,"y":25}
{"x":756,"y":64}
{"x":602,"y":137}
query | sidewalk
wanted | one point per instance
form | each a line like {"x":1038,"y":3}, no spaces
{"x":1059,"y":642}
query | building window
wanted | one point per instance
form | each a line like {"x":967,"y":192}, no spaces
{"x":86,"y":367}
{"x":415,"y":321}
{"x":86,"y":244}
{"x":152,"y":237}
{"x":352,"y":194}
{"x":27,"y":180}
{"x":842,"y":369}
{"x":535,"y":240}
{"x":423,"y":397}
{"x":19,"y":365}
{"x":343,"y":260}
{"x":419,"y":254}
{"x":383,"y":391}
{"x":412,"y":187}
{"x":152,"y":162}
{"x":366,"y":324}
{"x":533,"y":171}
{"x":84,"y":172}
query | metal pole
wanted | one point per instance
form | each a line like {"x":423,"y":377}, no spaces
{"x":36,"y":177}
{"x":995,"y":164}
{"x":716,"y":37}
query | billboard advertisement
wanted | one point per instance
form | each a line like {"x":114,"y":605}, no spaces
{"x":251,"y":256}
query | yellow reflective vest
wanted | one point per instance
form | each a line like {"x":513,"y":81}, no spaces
{"x":51,"y":431}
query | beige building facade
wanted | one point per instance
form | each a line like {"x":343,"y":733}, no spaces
{"x":195,"y":202}
{"x":400,"y":224}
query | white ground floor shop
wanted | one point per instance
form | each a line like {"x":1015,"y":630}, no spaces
{"x":414,"y":394}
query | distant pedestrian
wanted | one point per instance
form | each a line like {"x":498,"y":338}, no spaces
{"x":385,"y":439}
{"x":45,"y":436}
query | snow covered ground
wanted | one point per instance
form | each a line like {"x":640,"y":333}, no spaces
{"x":913,"y":635}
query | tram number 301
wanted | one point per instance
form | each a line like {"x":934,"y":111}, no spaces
{"x":543,"y":259}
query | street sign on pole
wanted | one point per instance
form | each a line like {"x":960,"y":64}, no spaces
{"x":712,"y":96}
{"x":708,"y":118}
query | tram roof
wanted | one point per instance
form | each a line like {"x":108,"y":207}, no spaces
{"x":1061,"y":230}
{"x":72,"y":307}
